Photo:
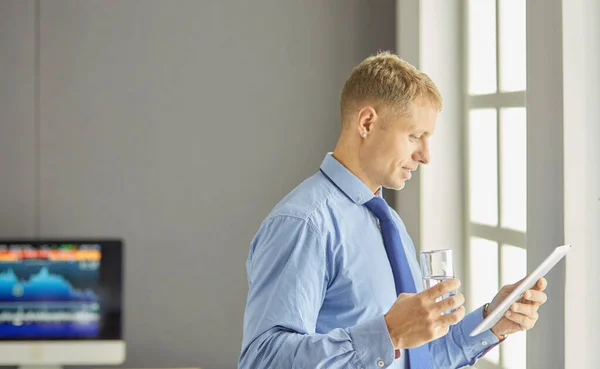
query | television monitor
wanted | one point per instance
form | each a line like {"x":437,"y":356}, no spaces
{"x":61,"y":302}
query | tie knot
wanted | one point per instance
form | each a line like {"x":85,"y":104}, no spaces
{"x":379,"y":207}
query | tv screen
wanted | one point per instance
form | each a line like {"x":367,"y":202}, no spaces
{"x":60,"y":290}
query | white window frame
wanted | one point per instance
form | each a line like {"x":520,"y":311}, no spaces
{"x":497,"y":101}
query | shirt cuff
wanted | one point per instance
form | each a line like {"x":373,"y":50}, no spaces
{"x":482,"y":343}
{"x":372,"y":343}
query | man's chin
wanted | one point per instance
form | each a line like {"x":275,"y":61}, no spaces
{"x":395,"y":186}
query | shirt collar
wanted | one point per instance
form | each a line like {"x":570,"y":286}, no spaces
{"x":347,"y":182}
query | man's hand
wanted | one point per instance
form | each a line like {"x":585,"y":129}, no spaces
{"x":416,"y":319}
{"x":523,"y":314}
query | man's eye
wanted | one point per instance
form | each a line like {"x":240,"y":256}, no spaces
{"x":415,"y":137}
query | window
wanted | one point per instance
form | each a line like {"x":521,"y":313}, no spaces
{"x":496,"y":175}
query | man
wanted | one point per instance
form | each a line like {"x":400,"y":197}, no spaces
{"x":332,"y":272}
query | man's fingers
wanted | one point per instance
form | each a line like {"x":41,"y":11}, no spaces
{"x":541,"y":284}
{"x":442,"y":288}
{"x":510,"y":287}
{"x":535,"y":296}
{"x":524,"y":321}
{"x":454,"y":317}
{"x":451,"y":303}
{"x":525,"y":309}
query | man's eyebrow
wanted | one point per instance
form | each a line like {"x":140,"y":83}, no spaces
{"x":424,"y":132}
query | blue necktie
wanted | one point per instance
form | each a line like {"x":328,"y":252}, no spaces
{"x":418,"y":357}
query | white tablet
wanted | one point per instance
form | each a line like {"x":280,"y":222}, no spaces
{"x":495,"y":315}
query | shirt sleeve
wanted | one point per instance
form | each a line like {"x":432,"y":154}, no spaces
{"x":288,"y":274}
{"x":457,"y":349}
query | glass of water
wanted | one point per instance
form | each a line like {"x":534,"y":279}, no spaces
{"x":437,"y":266}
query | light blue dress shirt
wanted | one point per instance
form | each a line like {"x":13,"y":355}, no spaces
{"x":320,"y":283}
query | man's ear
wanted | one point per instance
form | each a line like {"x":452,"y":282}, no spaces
{"x":367,"y":116}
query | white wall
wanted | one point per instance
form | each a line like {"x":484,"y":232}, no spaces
{"x":442,"y":212}
{"x":581,"y":79}
{"x":431,"y":203}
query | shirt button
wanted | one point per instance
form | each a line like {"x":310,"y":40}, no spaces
{"x":380,"y":363}
{"x":358,"y":198}
{"x":484,"y":343}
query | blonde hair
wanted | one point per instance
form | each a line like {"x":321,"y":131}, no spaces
{"x":385,"y":80}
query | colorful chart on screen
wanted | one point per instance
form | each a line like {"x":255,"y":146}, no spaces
{"x":50,"y":290}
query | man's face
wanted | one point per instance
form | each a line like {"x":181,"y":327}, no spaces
{"x":396,"y":148}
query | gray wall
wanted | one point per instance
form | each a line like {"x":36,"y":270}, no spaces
{"x":177,"y":126}
{"x":545,"y":175}
{"x":17,"y":118}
